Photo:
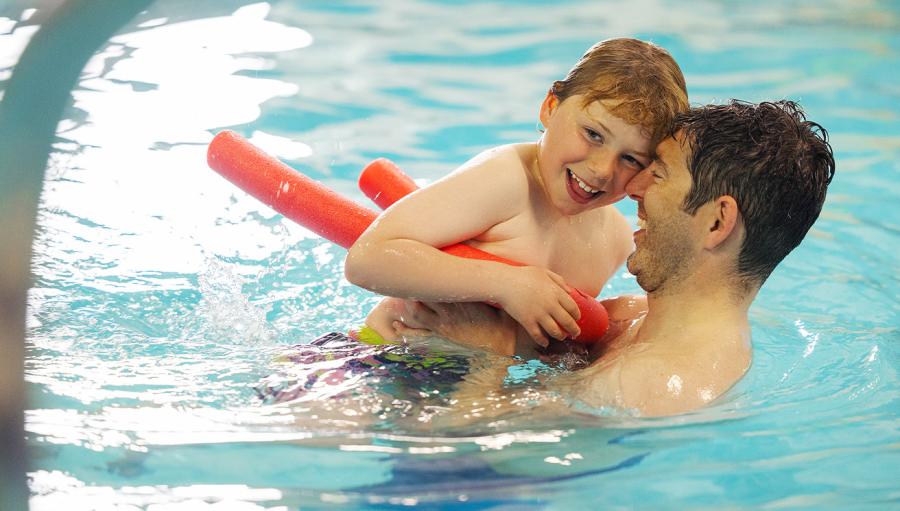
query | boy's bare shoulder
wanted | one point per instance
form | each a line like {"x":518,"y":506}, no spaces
{"x":510,"y":157}
{"x":482,"y":175}
{"x":615,"y":217}
{"x":606,"y":242}
{"x":619,"y":233}
{"x":501,"y":166}
{"x":612,"y":222}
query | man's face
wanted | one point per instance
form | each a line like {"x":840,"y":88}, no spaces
{"x":669,"y":238}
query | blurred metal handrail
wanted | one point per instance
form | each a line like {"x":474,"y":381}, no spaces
{"x":35,"y":97}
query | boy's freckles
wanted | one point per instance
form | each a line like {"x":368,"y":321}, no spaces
{"x":629,"y":138}
{"x":587,"y":154}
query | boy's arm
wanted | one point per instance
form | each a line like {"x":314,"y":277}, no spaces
{"x":396,"y":255}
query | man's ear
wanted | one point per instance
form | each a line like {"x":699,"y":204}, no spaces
{"x":723,"y":222}
{"x":548,"y":107}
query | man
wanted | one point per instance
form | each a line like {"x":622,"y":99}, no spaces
{"x":729,"y":195}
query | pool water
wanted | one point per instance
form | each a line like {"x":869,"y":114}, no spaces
{"x":163,"y":296}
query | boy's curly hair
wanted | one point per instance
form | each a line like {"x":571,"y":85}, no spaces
{"x":640,"y":80}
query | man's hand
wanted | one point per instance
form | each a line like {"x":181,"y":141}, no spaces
{"x":471,"y":324}
{"x":382,"y":317}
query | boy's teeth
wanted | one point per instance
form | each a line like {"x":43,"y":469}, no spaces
{"x":642,"y":223}
{"x":581,"y":184}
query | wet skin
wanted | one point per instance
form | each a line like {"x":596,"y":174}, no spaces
{"x":587,"y":155}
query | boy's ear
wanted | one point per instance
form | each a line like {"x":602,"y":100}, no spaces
{"x":723,"y":222}
{"x":548,"y":107}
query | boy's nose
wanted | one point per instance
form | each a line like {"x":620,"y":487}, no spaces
{"x":603,"y":165}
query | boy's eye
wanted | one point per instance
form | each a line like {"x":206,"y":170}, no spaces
{"x":592,"y":135}
{"x":633,"y":162}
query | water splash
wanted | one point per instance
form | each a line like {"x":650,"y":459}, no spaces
{"x":226,"y":311}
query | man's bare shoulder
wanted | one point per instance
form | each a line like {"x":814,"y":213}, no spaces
{"x":667,"y":382}
{"x":654,"y":385}
{"x":625,"y":307}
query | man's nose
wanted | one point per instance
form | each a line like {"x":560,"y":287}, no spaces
{"x":638,"y":184}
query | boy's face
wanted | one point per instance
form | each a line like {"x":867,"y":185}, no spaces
{"x":587,"y":155}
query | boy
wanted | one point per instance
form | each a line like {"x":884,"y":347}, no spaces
{"x":541,"y":203}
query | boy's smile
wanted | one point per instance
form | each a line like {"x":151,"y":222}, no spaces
{"x":587,"y":154}
{"x":579,"y":190}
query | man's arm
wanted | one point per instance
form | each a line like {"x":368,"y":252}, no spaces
{"x":483,"y":327}
{"x":480,"y":326}
{"x":471,"y":324}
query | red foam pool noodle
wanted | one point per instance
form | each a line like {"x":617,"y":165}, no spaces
{"x":338,"y":219}
{"x":384,"y":182}
{"x":299,"y":198}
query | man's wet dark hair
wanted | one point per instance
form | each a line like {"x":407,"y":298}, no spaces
{"x":772,"y":161}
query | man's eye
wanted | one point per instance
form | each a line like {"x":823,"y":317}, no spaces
{"x":593,"y":136}
{"x":633,"y":162}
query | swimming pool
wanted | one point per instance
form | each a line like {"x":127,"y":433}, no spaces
{"x":162,"y":295}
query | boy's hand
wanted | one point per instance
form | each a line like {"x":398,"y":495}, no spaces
{"x":539,"y":300}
